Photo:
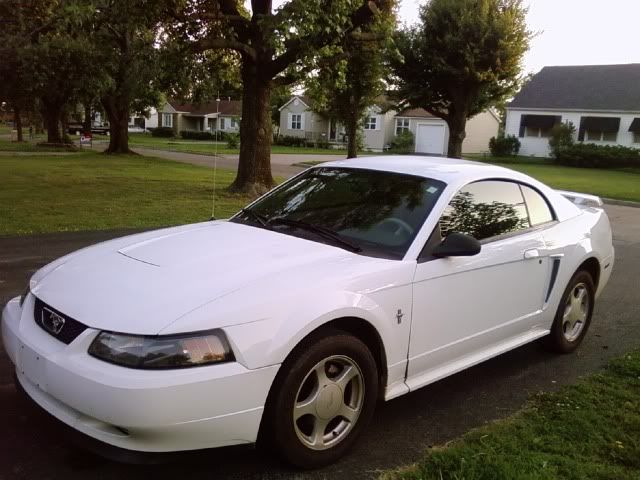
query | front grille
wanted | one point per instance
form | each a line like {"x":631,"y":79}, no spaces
{"x":57,"y":324}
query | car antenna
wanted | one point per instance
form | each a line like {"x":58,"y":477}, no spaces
{"x":215,"y":158}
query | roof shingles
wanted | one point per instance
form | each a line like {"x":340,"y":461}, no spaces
{"x":589,"y":87}
{"x":227,"y":107}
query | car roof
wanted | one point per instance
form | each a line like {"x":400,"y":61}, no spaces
{"x":448,"y":170}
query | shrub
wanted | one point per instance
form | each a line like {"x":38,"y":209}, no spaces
{"x":290,"y":141}
{"x":504,"y":146}
{"x":165,"y":132}
{"x":403,"y":143}
{"x":561,"y":138}
{"x":233,"y":140}
{"x":197,"y":135}
{"x":323,"y":143}
{"x":589,"y":155}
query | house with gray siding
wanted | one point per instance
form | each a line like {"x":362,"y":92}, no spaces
{"x":223,"y":116}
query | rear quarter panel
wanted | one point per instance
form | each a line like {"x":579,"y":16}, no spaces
{"x":574,"y":241}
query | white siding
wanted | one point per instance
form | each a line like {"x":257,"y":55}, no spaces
{"x":539,"y":147}
{"x":313,"y":125}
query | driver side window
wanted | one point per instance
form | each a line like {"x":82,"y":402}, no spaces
{"x":486,"y":209}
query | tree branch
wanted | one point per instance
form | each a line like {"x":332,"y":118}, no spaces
{"x":360,"y":17}
{"x":223,"y":43}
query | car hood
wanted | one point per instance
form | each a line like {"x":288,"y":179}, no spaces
{"x":141,"y":284}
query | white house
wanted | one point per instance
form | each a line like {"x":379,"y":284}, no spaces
{"x":224,"y":116}
{"x":601,"y":101}
{"x":382,"y":125}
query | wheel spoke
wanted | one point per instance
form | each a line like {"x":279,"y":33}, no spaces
{"x":348,"y":413}
{"x":317,"y":435}
{"x":306,"y":407}
{"x":582,"y":292}
{"x":345,"y":377}
{"x":321,"y":373}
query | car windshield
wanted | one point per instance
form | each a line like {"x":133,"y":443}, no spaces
{"x":368,"y":211}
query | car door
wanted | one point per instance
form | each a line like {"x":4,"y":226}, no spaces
{"x":467,"y":309}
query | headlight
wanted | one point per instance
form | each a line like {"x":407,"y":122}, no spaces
{"x":24,"y":296}
{"x":162,"y":352}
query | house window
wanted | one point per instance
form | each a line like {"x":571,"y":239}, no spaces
{"x":600,"y":136}
{"x":371,"y":123}
{"x":599,"y":129}
{"x":296,"y":121}
{"x":222,"y":124}
{"x":167,"y":120}
{"x":636,"y":137}
{"x":537,"y":132}
{"x":402,"y":125}
{"x":538,"y":126}
{"x":234,"y":123}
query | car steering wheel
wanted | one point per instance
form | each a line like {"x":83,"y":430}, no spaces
{"x":399,"y":224}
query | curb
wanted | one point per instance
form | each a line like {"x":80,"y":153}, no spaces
{"x":622,"y":203}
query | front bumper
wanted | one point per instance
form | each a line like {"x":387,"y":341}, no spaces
{"x":141,"y":410}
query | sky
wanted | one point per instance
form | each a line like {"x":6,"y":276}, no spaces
{"x":573,"y":32}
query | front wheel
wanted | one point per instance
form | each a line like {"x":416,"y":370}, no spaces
{"x":322,"y":399}
{"x":574,"y":314}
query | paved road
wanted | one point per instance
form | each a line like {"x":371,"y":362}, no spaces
{"x":31,"y":446}
{"x":282,"y":165}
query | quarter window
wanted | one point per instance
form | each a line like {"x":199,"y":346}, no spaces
{"x":486,"y":209}
{"x":537,"y":206}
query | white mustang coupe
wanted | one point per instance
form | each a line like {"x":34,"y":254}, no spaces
{"x":353,"y":282}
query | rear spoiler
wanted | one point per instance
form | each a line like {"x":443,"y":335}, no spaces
{"x":582,"y":199}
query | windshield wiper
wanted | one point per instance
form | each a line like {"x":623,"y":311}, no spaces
{"x":323,"y":231}
{"x":261,"y":219}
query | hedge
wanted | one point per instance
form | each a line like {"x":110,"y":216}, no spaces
{"x":589,"y":155}
{"x":165,"y":132}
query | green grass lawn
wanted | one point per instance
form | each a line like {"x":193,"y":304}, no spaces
{"x":89,"y":191}
{"x":208,"y":147}
{"x":587,"y":431}
{"x":617,"y":184}
{"x":26,"y":146}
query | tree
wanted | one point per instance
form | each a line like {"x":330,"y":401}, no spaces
{"x":48,"y":61}
{"x":19,"y":22}
{"x":274,"y":48}
{"x":124,"y":36}
{"x":344,"y":89}
{"x":464,"y":57}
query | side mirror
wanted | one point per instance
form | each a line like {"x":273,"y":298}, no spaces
{"x":457,"y":245}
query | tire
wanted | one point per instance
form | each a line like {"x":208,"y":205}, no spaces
{"x":574,"y":313}
{"x":320,"y":435}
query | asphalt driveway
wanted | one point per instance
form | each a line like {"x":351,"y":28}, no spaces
{"x":32,"y":446}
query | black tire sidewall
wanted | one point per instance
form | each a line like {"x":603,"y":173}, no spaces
{"x":556,"y":340}
{"x":279,"y":409}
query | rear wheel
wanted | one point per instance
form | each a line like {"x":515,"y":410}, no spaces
{"x":574,"y":314}
{"x":323,"y":397}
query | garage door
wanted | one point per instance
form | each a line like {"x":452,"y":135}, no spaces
{"x":430,"y":139}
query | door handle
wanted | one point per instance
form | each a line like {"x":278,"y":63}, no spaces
{"x":533,"y":253}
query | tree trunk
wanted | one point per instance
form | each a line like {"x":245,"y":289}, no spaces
{"x":52,"y":114}
{"x":352,"y":137}
{"x":254,"y":167}
{"x":457,"y":124}
{"x":17,"y":118}
{"x":117,"y":111}
{"x":87,"y":124}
